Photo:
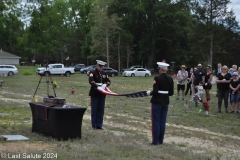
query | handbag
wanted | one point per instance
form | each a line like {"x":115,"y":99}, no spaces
{"x":238,"y":94}
{"x":213,"y":81}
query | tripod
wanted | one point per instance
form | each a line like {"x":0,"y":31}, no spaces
{"x":48,"y":81}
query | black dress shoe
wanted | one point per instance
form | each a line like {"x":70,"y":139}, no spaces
{"x":99,"y":128}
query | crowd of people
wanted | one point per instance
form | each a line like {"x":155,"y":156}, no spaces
{"x":197,"y":79}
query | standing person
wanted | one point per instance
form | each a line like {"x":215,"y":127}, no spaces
{"x":189,"y":82}
{"x":238,"y":72}
{"x":97,"y":77}
{"x":199,"y":75}
{"x":182,"y":75}
{"x":192,"y":85}
{"x":223,"y":80}
{"x":234,"y":69}
{"x":234,"y":85}
{"x":163,"y":87}
{"x":217,"y":71}
{"x":207,"y":85}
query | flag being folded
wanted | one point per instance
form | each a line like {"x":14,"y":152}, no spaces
{"x":105,"y":90}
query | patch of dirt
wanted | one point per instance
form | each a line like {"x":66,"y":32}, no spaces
{"x":204,"y":131}
{"x":14,"y":100}
{"x":24,"y":99}
{"x":24,"y":95}
{"x":23,"y":147}
{"x":200,"y":145}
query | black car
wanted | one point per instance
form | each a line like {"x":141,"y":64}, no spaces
{"x":110,"y":72}
{"x":77,"y":67}
{"x":86,"y":69}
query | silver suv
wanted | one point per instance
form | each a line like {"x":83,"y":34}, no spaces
{"x":10,"y":70}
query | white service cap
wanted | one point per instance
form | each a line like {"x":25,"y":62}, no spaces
{"x":101,"y":63}
{"x":162,"y":65}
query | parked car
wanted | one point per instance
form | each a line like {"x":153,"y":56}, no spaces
{"x":132,"y":67}
{"x":137,"y":72}
{"x":78,"y":67}
{"x":89,"y":68}
{"x":110,"y":72}
{"x":10,"y":70}
{"x":151,"y":70}
{"x":55,"y":69}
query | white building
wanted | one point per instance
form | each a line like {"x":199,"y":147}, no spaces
{"x":8,"y":58}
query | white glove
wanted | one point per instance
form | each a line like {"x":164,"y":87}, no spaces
{"x":104,"y":86}
{"x":99,"y":84}
{"x":148,"y":92}
{"x":205,"y":84}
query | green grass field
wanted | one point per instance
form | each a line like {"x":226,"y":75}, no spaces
{"x":127,"y":123}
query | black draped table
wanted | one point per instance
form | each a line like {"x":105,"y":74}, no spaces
{"x":57,"y":121}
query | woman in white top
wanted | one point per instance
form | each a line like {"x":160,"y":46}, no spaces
{"x":182,"y":75}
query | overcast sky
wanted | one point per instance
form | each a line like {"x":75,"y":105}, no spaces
{"x":235,"y":5}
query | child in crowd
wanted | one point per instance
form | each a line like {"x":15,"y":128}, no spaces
{"x":200,"y":91}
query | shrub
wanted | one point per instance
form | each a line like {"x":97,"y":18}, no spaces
{"x":27,"y":72}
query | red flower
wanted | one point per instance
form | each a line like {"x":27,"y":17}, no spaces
{"x":72,"y":90}
{"x":206,"y":106}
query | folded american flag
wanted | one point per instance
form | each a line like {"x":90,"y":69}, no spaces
{"x":105,"y":90}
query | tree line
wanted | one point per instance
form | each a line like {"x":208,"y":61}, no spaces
{"x":121,"y":32}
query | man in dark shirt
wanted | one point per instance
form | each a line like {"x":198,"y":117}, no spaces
{"x":199,"y":75}
{"x":163,"y":87}
{"x":97,"y":77}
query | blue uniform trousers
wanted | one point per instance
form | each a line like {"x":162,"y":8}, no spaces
{"x":97,"y":111}
{"x":159,"y":116}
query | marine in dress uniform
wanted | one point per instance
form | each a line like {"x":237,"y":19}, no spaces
{"x":97,"y":77}
{"x":163,"y":87}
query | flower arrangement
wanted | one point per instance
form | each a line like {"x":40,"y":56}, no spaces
{"x":206,"y":107}
{"x":72,"y":90}
{"x":55,"y":85}
{"x":35,"y":99}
